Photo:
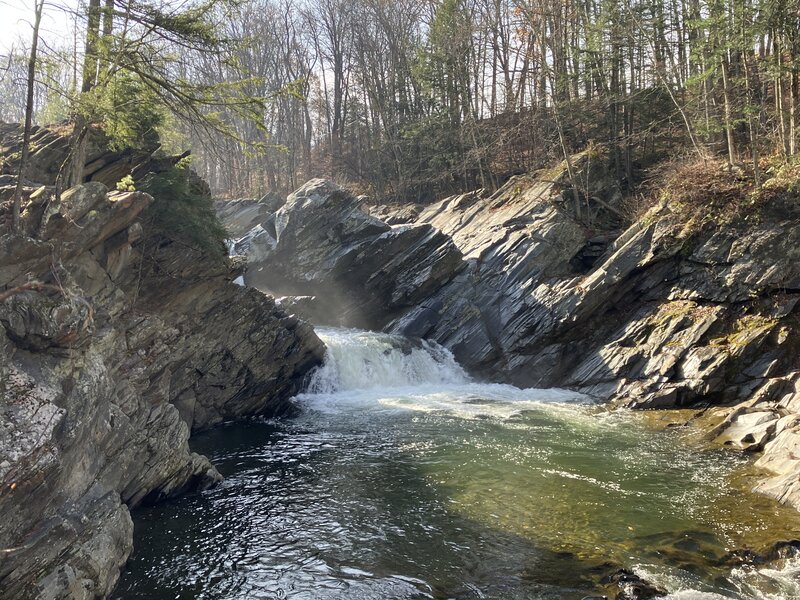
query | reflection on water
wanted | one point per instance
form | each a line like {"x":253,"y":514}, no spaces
{"x":402,"y":479}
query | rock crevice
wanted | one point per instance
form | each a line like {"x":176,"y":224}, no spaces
{"x":522,"y":290}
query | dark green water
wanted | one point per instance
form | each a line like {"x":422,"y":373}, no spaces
{"x":446,"y":489}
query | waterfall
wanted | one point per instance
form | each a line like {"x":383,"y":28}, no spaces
{"x":364,"y":371}
{"x":363,"y":360}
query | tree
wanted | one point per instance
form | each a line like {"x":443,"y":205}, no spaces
{"x":427,"y":97}
{"x":132,"y":43}
{"x":26,"y":135}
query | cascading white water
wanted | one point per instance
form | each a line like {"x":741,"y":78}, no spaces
{"x":361,"y":360}
{"x":365,"y":370}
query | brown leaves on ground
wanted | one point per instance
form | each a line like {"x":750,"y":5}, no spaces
{"x":707,"y":187}
{"x":702,"y":193}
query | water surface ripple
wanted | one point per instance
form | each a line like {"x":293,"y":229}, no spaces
{"x":401,"y":478}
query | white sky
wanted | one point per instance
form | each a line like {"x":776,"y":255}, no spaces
{"x":16,"y":22}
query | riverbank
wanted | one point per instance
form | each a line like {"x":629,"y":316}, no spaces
{"x":401,"y":478}
{"x":693,"y":304}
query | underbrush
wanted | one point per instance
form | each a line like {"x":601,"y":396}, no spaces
{"x":702,"y":193}
{"x":183,"y":210}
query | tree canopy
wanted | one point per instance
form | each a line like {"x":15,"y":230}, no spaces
{"x":417,"y":98}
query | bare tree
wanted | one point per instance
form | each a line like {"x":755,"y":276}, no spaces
{"x":26,"y":134}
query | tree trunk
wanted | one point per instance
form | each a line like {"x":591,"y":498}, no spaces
{"x":26,"y":135}
{"x":726,"y":96}
{"x":90,"y":67}
{"x":793,"y":112}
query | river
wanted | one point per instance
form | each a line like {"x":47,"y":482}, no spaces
{"x":402,"y":478}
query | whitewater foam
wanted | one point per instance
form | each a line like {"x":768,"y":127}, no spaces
{"x":776,"y":582}
{"x":363,"y":360}
{"x":376,"y":371}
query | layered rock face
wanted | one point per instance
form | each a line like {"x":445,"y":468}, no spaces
{"x":115,"y":345}
{"x":362,"y":271}
{"x":242,"y":214}
{"x":529,"y":287}
{"x":49,"y":147}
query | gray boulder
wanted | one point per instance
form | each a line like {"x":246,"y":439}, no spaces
{"x":127,"y":345}
{"x":320,"y":243}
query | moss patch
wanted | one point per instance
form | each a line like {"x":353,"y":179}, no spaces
{"x":744,"y":331}
{"x":183,"y":210}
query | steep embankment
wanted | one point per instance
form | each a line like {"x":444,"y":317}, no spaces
{"x":127,"y":341}
{"x":533,"y":287}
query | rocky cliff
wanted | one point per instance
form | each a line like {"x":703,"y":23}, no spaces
{"x":538,"y":287}
{"x":115,"y":343}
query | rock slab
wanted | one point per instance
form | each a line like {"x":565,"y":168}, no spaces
{"x":126,"y":343}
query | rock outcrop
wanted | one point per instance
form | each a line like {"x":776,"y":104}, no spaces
{"x":116,"y":343}
{"x":49,"y":148}
{"x":242,"y":214}
{"x":531,"y":286}
{"x":320,"y":243}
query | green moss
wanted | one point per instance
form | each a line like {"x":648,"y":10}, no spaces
{"x":744,"y":330}
{"x":183,"y":210}
{"x":578,"y":160}
{"x":553,"y":173}
{"x":677,"y":308}
{"x":126,"y":184}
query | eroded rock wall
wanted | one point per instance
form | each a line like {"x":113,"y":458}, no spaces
{"x":362,"y":271}
{"x":125,"y":343}
{"x":526,"y":286}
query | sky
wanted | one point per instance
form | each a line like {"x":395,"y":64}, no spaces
{"x":16,"y":19}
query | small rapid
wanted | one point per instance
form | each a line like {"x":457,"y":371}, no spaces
{"x":779,"y":581}
{"x":381,"y":371}
{"x":363,"y":360}
{"x":403,"y":478}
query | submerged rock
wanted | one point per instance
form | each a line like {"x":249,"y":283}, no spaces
{"x":632,"y":587}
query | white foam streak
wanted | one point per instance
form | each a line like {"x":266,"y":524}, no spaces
{"x":780,"y":582}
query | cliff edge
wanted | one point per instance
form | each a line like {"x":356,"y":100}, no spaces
{"x":116,"y":341}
